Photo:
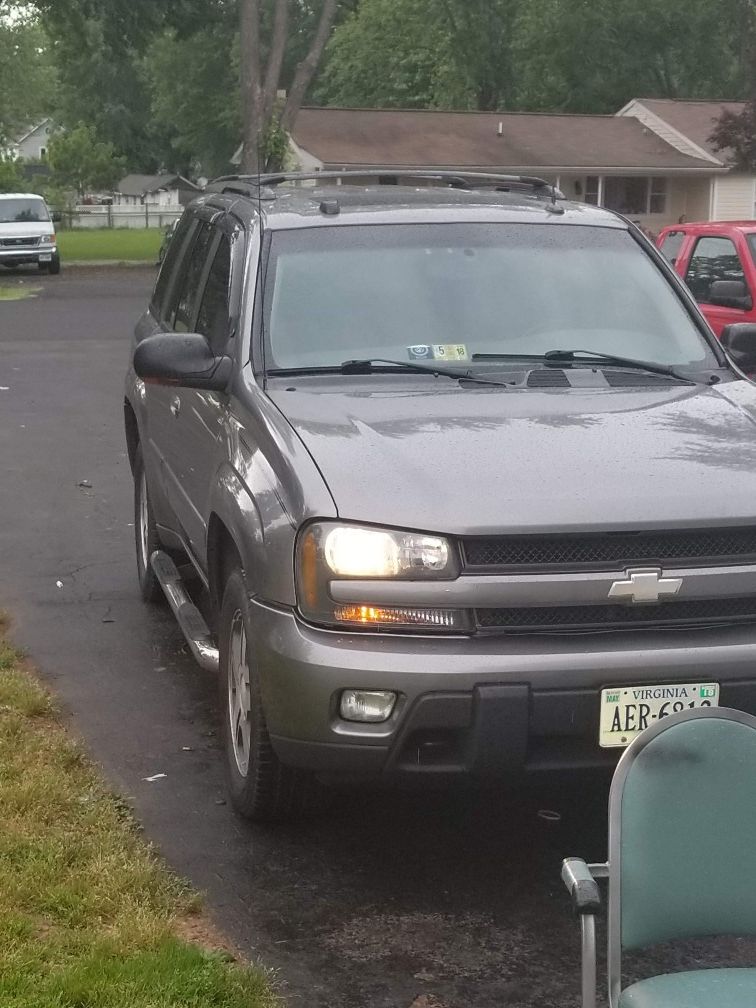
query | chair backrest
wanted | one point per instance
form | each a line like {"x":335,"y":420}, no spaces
{"x":682,"y":831}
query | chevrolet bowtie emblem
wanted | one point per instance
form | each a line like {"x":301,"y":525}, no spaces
{"x":644,"y":585}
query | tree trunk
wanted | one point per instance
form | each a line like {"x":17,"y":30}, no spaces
{"x":251,"y":91}
{"x":275,"y":57}
{"x":308,"y":66}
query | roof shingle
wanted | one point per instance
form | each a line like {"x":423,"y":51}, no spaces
{"x":528,"y":142}
{"x":694,"y":119}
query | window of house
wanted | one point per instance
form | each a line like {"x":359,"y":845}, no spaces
{"x":626,"y":194}
{"x":592,"y":190}
{"x":635,"y":194}
{"x":212,"y":319}
{"x":657,"y":196}
{"x":714,"y":258}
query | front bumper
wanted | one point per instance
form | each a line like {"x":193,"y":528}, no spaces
{"x":483,"y":707}
{"x":14,"y":256}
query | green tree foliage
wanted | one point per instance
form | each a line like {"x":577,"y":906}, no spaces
{"x":566,"y":55}
{"x":82,"y":162}
{"x":201,"y":120}
{"x":735,"y":134}
{"x":595,"y":55}
{"x":11,"y":177}
{"x":392,"y":54}
{"x":27,"y":78}
{"x":160,"y":79}
{"x":103,"y":84}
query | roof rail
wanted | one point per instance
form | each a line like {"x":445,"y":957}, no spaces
{"x":252,"y":184}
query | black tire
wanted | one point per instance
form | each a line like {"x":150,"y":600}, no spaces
{"x":54,"y":265}
{"x":267,"y":791}
{"x":145,"y":533}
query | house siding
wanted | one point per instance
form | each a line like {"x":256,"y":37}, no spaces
{"x":733,"y":198}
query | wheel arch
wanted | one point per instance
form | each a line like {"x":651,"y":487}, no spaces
{"x":131,"y":428}
{"x":223,"y":554}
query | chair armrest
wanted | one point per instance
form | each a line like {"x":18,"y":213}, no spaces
{"x":581,"y":885}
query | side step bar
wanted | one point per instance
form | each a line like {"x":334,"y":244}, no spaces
{"x":193,"y":626}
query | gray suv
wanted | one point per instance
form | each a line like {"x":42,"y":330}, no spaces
{"x":446,"y":479}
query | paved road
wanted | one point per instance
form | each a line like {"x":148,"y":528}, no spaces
{"x":390,"y":897}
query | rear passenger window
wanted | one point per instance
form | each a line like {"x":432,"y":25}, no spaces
{"x":714,"y":258}
{"x":187,"y":285}
{"x":671,"y":245}
{"x":212,"y":320}
{"x":158,"y":303}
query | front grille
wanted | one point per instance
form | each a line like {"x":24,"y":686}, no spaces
{"x":613,"y":550}
{"x":19,"y":242}
{"x":689,"y":612}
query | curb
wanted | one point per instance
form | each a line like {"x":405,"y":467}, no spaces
{"x":97,"y":263}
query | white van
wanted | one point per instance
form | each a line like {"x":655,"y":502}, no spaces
{"x":27,"y":234}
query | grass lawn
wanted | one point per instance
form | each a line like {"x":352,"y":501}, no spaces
{"x":17,"y":293}
{"x":120,"y":244}
{"x":88,"y":917}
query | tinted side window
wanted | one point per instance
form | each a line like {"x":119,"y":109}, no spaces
{"x":213,"y":316}
{"x":671,"y":245}
{"x":188,"y":281}
{"x":714,"y":258}
{"x":158,"y":302}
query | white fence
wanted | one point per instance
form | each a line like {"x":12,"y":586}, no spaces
{"x":150,"y":216}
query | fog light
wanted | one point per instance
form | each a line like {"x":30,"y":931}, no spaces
{"x":367,"y":705}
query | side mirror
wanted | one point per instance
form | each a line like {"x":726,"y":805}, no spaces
{"x":184,"y":359}
{"x":56,"y":216}
{"x":739,"y":340}
{"x":730,"y":294}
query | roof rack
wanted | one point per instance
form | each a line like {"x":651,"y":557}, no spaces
{"x":252,"y":185}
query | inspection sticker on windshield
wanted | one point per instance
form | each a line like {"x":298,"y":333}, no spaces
{"x":438,"y":351}
{"x":627,"y":710}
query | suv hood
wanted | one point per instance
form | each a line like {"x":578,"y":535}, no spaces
{"x":481,"y":460}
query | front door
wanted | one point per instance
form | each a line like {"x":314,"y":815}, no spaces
{"x":716,"y":257}
{"x":202,"y":424}
{"x":171,"y":407}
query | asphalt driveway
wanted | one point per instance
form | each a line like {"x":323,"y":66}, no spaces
{"x":388,"y":898}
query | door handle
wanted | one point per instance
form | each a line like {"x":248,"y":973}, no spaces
{"x":175,"y":406}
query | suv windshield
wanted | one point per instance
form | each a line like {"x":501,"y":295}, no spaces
{"x":23,"y":211}
{"x":449,"y":291}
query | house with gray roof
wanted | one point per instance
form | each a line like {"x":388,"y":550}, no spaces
{"x":652,"y":161}
{"x":32,"y":144}
{"x":687,"y":126}
{"x":154,"y":191}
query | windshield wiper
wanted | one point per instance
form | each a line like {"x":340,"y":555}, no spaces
{"x":378,"y":365}
{"x":626,"y":362}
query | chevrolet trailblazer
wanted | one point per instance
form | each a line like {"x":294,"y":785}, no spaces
{"x":468,"y":482}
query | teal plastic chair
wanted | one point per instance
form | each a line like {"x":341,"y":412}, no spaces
{"x":682,"y":858}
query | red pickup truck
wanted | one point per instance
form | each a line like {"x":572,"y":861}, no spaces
{"x":717,"y":260}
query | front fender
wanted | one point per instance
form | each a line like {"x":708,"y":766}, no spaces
{"x":252,"y":512}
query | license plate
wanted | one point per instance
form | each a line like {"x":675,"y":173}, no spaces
{"x":627,"y":710}
{"x":45,"y":256}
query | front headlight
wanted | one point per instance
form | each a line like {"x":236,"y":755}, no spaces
{"x":328,"y":551}
{"x":351,"y":551}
